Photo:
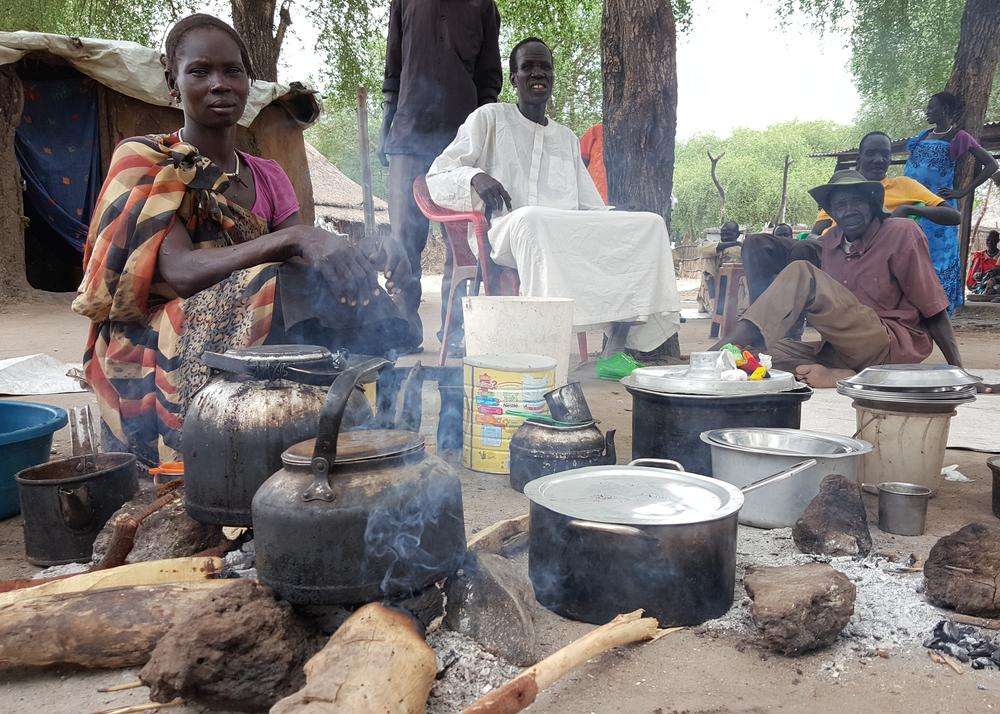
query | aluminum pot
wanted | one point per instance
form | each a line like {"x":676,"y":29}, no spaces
{"x":612,"y":539}
{"x":739,"y":456}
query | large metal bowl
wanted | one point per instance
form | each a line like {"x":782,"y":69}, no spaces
{"x":741,"y":456}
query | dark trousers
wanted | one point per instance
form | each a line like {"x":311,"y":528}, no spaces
{"x":409,"y":228}
{"x":765,"y":255}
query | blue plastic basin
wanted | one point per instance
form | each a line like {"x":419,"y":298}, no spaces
{"x":26,"y":431}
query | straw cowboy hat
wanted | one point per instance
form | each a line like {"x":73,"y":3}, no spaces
{"x":849,"y":178}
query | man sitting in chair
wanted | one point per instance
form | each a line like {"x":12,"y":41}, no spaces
{"x":548,"y":220}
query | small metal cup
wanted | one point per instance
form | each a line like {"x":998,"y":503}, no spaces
{"x":568,"y":403}
{"x":902,"y":508}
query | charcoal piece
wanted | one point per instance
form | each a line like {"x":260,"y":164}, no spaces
{"x":983,"y":663}
{"x":955,"y":651}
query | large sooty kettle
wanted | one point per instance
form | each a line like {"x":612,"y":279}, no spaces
{"x":357,"y":516}
{"x":258,"y":402}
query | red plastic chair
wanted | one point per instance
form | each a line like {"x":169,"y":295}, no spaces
{"x":496,"y":279}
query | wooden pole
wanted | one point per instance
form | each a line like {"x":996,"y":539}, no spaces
{"x":366,"y":165}
{"x":784,"y":192}
{"x":718,"y":186}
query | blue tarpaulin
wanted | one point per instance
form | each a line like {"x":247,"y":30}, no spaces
{"x":58,"y":151}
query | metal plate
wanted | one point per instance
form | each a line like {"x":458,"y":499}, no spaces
{"x":930,"y":392}
{"x":907,"y":398}
{"x":674,"y":380}
{"x":786,"y":442}
{"x":359,"y":445}
{"x":635,"y":495}
{"x":913,"y":376}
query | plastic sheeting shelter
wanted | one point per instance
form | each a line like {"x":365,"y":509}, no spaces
{"x":130,"y":97}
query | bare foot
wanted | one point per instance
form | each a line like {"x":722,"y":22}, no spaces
{"x":819,"y":377}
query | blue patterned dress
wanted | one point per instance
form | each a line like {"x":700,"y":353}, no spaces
{"x":931,"y":164}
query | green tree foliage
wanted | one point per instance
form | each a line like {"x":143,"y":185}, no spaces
{"x":751,"y":174}
{"x":902,"y":52}
{"x":142,"y":21}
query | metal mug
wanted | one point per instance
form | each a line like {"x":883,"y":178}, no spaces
{"x":902,"y":508}
{"x":568,"y":403}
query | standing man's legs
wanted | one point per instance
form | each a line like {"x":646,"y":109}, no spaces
{"x":409,"y":229}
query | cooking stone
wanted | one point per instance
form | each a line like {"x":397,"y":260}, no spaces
{"x":635,"y":495}
{"x":675,"y":380}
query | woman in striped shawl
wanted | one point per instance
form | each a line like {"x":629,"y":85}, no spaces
{"x":197,"y":246}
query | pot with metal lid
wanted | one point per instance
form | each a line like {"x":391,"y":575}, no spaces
{"x":613,"y":539}
{"x":259,"y":401}
{"x":538,"y":449}
{"x":356,"y":516}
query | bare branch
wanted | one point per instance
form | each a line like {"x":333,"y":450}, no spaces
{"x":718,"y":186}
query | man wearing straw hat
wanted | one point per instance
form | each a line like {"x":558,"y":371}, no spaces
{"x":876,"y":299}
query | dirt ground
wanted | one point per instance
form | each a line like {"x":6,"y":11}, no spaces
{"x":684,"y":672}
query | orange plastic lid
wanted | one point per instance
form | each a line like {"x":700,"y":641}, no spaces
{"x":171,"y":468}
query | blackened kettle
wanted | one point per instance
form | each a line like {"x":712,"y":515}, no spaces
{"x":258,"y":402}
{"x":357,"y":516}
{"x":538,"y":449}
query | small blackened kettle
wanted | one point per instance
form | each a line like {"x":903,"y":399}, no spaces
{"x":538,"y":449}
{"x":357,"y":516}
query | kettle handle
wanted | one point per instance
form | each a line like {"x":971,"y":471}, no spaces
{"x":330,"y":417}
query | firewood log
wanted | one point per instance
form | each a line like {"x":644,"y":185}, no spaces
{"x":377,"y":661}
{"x":152,"y":572}
{"x":97,"y":629}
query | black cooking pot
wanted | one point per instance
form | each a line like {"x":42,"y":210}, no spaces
{"x":669,"y":426}
{"x":66,"y":503}
{"x":612,"y":539}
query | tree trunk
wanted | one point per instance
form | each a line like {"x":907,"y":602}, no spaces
{"x":972,"y":78}
{"x":13,"y":280}
{"x":639,"y":64}
{"x":639,"y":47}
{"x":254,"y":20}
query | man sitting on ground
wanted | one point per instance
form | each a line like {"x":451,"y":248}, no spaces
{"x":764,"y":256}
{"x":548,"y":220}
{"x":876,"y":301}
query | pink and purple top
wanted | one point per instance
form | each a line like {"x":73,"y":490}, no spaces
{"x":275,"y":200}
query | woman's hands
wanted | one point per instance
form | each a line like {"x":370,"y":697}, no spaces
{"x":344,"y":266}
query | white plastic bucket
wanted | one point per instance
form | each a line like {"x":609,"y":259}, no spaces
{"x":520,"y":325}
{"x":909,"y":446}
{"x":495,"y":384}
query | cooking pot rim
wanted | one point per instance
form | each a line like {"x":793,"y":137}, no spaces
{"x":731,"y":508}
{"x":24,"y":478}
{"x":857,"y":446}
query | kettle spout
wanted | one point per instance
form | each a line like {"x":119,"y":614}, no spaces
{"x":610,"y":456}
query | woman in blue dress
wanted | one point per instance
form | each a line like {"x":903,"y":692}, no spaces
{"x":934,"y":153}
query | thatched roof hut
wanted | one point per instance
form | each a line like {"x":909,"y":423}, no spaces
{"x":110,"y":90}
{"x":339,"y":201}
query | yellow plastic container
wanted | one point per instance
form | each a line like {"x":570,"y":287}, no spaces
{"x":495,"y":384}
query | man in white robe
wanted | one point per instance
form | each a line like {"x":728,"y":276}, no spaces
{"x":548,"y":220}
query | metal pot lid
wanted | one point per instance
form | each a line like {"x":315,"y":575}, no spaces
{"x":635,"y":495}
{"x":359,"y":445}
{"x":675,"y":380}
{"x":786,"y":442}
{"x":913,"y":376}
{"x":267,"y":358}
{"x":934,"y":399}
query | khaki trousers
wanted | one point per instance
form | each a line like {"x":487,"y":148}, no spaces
{"x":853,"y":335}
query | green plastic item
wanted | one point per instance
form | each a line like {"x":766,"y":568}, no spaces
{"x":617,"y":366}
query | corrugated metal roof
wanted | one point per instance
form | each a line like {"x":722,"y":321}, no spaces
{"x":992,"y":128}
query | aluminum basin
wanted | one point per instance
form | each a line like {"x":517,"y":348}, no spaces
{"x":741,"y":456}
